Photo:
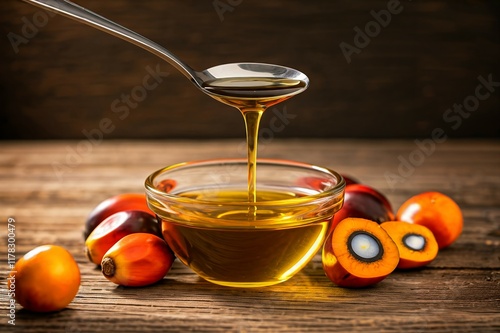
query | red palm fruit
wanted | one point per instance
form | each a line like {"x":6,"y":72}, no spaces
{"x":117,"y":226}
{"x":359,"y":253}
{"x":365,"y":202}
{"x":118,"y":203}
{"x":137,"y":260}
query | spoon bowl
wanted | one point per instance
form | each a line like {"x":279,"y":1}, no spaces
{"x":229,"y":80}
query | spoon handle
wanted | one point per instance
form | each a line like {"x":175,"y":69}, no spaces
{"x":92,"y":19}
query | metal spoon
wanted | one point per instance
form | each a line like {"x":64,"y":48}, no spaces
{"x":231,"y":80}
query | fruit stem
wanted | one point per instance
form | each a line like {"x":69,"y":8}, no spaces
{"x":108,"y":267}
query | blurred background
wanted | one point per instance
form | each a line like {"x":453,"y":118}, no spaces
{"x":378,"y":69}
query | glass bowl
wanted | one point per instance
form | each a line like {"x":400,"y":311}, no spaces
{"x":213,"y":228}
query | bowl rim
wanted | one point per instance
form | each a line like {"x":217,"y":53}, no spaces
{"x":335,"y":191}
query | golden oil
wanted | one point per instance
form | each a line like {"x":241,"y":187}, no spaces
{"x":242,"y":248}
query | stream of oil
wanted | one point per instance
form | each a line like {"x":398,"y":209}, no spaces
{"x":252,"y":96}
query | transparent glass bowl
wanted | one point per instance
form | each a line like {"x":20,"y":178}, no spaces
{"x":212,"y":227}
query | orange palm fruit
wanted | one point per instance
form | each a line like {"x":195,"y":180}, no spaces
{"x":114,"y":228}
{"x":416,"y":244}
{"x":46,"y":279}
{"x":359,"y":253}
{"x":137,"y":260}
{"x":437,"y":212}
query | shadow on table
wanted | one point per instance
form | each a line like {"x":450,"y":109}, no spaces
{"x":308,"y":285}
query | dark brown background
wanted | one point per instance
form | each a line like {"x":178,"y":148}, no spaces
{"x":64,"y":80}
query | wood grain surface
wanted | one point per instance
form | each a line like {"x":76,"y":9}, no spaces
{"x":458,"y":292}
{"x":64,"y":76}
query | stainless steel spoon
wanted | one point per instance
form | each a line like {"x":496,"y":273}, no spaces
{"x":233,"y":80}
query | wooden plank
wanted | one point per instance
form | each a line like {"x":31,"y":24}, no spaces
{"x":458,"y":292}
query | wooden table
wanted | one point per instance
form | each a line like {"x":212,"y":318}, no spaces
{"x":50,"y":187}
